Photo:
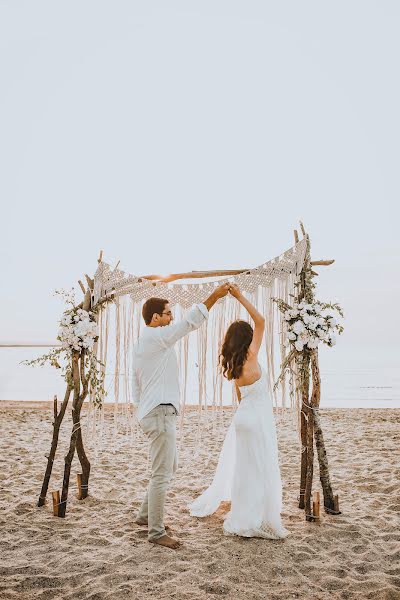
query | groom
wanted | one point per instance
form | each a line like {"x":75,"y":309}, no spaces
{"x":156,"y":394}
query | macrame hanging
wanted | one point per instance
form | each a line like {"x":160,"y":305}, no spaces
{"x":120,"y":324}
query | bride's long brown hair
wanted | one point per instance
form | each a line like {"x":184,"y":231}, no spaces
{"x":235,"y":349}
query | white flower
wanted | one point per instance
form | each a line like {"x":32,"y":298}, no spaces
{"x":298,"y":345}
{"x":288,"y":315}
{"x":290,"y":335}
{"x":313,"y":322}
{"x":313,"y":343}
{"x":321,"y":321}
{"x":294,"y":312}
{"x":332,"y":322}
{"x":301,"y":305}
{"x":298,"y":327}
{"x":321,"y":333}
{"x":306,"y":319}
{"x":332,"y":340}
{"x":87,"y":342}
{"x":304,"y":337}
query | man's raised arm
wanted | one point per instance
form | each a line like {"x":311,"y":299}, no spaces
{"x":193,"y":319}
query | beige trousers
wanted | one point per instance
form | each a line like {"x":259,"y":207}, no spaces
{"x":160,"y":428}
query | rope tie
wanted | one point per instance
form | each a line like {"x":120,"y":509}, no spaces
{"x":76,"y":427}
{"x":313,"y":408}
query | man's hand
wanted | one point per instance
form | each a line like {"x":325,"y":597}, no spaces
{"x":234,"y":291}
{"x":218,"y":293}
{"x":222,"y":290}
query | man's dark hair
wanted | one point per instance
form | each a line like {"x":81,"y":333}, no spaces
{"x":151,"y":306}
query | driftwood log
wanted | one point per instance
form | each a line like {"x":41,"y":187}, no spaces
{"x":80,"y":387}
{"x":305,"y":387}
{"x":329,"y":499}
{"x":58,"y":417}
{"x":310,"y":422}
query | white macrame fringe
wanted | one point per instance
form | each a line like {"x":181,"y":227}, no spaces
{"x":275,"y":279}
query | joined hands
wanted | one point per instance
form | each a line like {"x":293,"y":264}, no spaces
{"x":222,"y":290}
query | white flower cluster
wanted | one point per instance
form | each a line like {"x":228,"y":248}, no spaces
{"x":78,"y":330}
{"x":308,"y":325}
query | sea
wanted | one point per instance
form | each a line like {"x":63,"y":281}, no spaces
{"x":350,"y":385}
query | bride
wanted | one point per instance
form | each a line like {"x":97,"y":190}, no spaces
{"x":248,"y":469}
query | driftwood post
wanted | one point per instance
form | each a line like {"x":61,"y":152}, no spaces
{"x":310,"y":423}
{"x":305,"y":387}
{"x":76,"y":443}
{"x":329,"y":502}
{"x":305,"y":293}
{"x":58,"y":417}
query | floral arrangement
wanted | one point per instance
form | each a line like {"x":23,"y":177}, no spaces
{"x":78,"y":330}
{"x":310,"y":324}
{"x":307,"y":325}
{"x":77,"y":333}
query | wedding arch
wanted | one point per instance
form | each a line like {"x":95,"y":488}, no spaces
{"x":282,"y":289}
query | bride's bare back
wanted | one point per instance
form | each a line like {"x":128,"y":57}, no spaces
{"x":251,"y":371}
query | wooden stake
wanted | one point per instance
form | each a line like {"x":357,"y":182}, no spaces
{"x":303,"y":231}
{"x":56,"y":502}
{"x":336,"y":503}
{"x":116,"y":266}
{"x":79,"y":482}
{"x":58,"y":417}
{"x":314,"y":510}
{"x":316,"y":505}
{"x":82,"y":286}
{"x":100,"y":259}
{"x":296,"y":236}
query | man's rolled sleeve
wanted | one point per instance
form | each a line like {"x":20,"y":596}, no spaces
{"x":203,"y":309}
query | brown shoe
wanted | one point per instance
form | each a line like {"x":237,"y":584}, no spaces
{"x":166,"y":541}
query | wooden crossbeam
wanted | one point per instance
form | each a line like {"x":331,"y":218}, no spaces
{"x":194,"y":275}
{"x":322,"y":263}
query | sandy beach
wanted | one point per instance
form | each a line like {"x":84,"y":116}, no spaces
{"x":97,"y":552}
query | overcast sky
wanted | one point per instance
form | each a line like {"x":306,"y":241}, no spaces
{"x":194,"y":135}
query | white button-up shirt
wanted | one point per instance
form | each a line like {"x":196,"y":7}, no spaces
{"x":155,"y":365}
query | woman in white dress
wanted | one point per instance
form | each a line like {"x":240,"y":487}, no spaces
{"x":248,"y":469}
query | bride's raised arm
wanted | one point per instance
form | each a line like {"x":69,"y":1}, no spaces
{"x":259,"y":321}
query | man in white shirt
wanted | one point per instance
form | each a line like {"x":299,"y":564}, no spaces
{"x":156,"y":394}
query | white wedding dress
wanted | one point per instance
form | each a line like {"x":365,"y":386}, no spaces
{"x":248,"y":470}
